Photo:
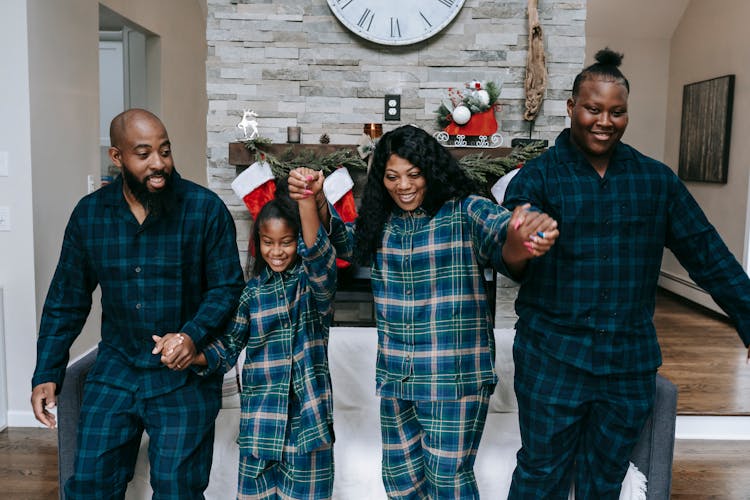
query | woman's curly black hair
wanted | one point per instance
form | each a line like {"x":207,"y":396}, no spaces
{"x":444,"y":177}
{"x":281,"y":207}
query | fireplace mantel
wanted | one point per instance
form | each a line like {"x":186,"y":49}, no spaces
{"x":239,"y":156}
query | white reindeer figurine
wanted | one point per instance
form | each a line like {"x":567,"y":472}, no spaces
{"x":248,"y":120}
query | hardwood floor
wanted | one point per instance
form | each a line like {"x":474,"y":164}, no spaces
{"x":702,"y":355}
{"x":28,"y":464}
{"x":711,"y":469}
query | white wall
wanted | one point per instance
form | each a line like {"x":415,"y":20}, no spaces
{"x":694,"y":57}
{"x":50,"y":108}
{"x":17,"y":246}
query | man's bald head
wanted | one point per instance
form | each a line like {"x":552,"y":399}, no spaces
{"x":120,"y":123}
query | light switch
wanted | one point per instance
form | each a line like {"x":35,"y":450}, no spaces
{"x":4,"y":218}
{"x":3,"y":164}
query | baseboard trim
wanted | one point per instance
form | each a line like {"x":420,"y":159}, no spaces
{"x":24,"y":419}
{"x":712,"y":428}
{"x":684,"y":287}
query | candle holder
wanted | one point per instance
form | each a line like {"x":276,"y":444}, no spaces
{"x":293,"y":135}
{"x":373,"y":130}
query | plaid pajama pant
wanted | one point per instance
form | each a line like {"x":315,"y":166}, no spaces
{"x":571,"y":421}
{"x":429,"y":447}
{"x":180,"y":426}
{"x":295,"y":477}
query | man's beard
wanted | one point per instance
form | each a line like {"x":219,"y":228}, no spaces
{"x":155,"y":202}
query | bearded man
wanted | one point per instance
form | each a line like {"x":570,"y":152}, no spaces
{"x":163,"y":250}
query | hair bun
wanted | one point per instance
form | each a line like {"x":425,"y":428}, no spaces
{"x":608,"y":57}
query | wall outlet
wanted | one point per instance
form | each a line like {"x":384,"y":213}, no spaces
{"x":91,"y":184}
{"x":392,"y":107}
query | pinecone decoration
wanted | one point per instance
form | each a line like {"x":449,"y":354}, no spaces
{"x":324,"y":139}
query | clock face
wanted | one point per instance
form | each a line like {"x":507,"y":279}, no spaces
{"x":395,"y":22}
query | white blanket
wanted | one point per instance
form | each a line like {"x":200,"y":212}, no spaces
{"x":357,"y":427}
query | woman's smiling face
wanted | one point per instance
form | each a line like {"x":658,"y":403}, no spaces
{"x":405,"y":183}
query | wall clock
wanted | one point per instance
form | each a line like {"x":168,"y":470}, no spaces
{"x":395,"y":22}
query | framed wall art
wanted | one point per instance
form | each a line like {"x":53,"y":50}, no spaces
{"x":706,"y":129}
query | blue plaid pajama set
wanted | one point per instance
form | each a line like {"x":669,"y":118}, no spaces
{"x":286,"y":426}
{"x":436,"y":347}
{"x":179,"y":272}
{"x":586,"y":350}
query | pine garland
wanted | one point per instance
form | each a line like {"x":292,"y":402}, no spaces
{"x":480,"y":167}
{"x":288,"y":161}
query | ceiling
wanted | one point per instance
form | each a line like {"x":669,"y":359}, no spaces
{"x":633,"y":18}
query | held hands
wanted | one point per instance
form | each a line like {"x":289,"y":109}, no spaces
{"x":537,"y":231}
{"x":177,"y":350}
{"x":305,"y":183}
{"x":42,"y":401}
{"x":530,"y":234}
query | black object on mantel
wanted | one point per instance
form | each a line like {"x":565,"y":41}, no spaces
{"x":522,"y":141}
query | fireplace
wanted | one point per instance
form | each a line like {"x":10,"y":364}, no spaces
{"x":354,"y":304}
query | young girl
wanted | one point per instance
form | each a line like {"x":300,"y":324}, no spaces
{"x":427,"y":239}
{"x":283,"y":318}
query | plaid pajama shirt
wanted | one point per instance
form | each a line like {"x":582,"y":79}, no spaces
{"x":176,"y":272}
{"x":589,"y":302}
{"x":282,"y":321}
{"x":435,"y":337}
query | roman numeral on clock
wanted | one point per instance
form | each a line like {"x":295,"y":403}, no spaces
{"x":429,"y":24}
{"x":365,"y":21}
{"x":395,"y":28}
{"x":447,"y":3}
{"x":345,"y":3}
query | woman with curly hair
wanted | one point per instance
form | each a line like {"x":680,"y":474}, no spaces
{"x":427,"y":239}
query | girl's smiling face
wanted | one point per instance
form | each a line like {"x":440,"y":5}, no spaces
{"x":278,"y":244}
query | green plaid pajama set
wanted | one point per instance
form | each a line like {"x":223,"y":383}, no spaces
{"x":435,"y":344}
{"x":286,"y":426}
{"x":179,"y":272}
{"x":586,"y":351}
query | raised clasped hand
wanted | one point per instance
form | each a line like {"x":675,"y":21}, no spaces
{"x":305,"y":183}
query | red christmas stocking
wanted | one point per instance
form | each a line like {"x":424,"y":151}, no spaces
{"x":338,"y":190}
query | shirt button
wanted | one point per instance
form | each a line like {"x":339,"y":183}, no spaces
{"x":606,"y":257}
{"x":285,"y":325}
{"x":138,"y":269}
{"x":602,"y":332}
{"x":408,"y":358}
{"x":408,"y":292}
{"x":138,"y":305}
